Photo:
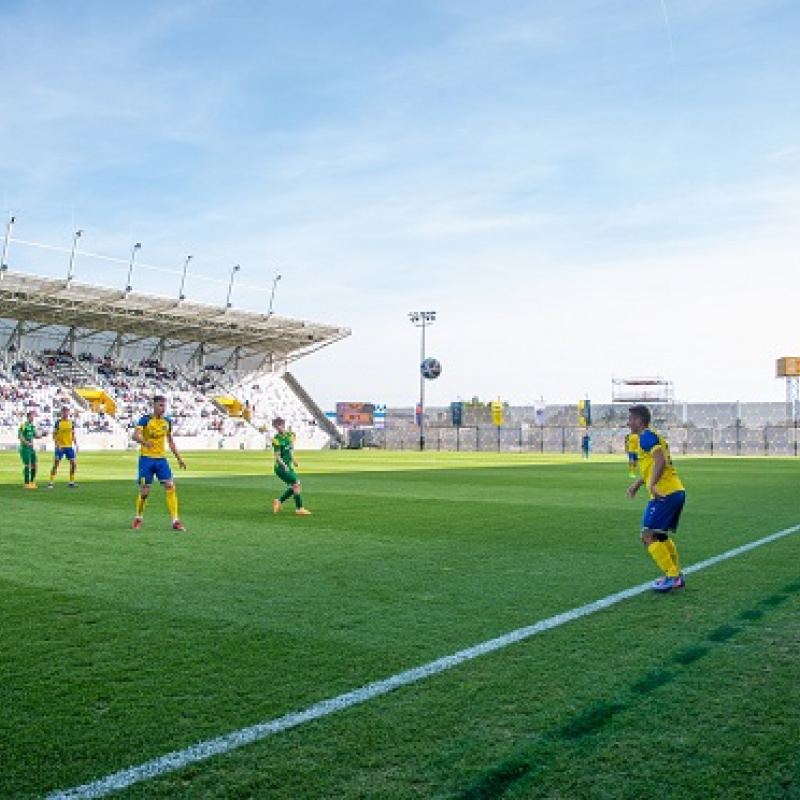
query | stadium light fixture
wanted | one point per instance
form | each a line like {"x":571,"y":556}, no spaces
{"x":234,"y":270}
{"x":272,"y":296}
{"x":181,"y":295}
{"x":421,"y":319}
{"x":71,"y":270}
{"x":4,"y":260}
{"x":134,"y":250}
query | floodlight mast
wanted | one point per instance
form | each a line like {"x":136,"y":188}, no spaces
{"x":71,"y":270}
{"x":421,"y":319}
{"x":272,"y":296}
{"x":234,"y":270}
{"x":134,"y":250}
{"x":4,"y":260}
{"x":181,"y":295}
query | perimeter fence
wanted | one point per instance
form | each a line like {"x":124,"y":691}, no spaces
{"x":724,"y":429}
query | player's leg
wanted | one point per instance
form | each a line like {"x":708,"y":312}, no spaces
{"x":654,"y":540}
{"x":297,"y":490}
{"x":24,"y":454}
{"x":145,"y":481}
{"x":289,"y":478}
{"x":34,"y":464}
{"x":73,"y":468}
{"x":165,"y":476}
{"x":54,"y":469}
{"x":172,"y":504}
{"x":660,"y":519}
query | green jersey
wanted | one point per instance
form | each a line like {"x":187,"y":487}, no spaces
{"x":27,"y":434}
{"x":283,"y":444}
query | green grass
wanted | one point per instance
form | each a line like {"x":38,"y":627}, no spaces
{"x":117,"y":647}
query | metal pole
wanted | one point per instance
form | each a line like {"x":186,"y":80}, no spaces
{"x":230,"y":285}
{"x":181,"y":295}
{"x":272,"y":296}
{"x":134,"y":250}
{"x":71,"y":270}
{"x":4,"y":261}
{"x":422,"y":391}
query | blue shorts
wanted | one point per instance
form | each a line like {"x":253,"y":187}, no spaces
{"x":663,"y":515}
{"x":150,"y":468}
{"x":65,"y":452}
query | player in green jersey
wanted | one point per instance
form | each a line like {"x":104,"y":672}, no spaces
{"x":285,"y":463}
{"x":27,"y":436}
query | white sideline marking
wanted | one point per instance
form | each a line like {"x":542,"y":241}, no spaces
{"x":178,"y":759}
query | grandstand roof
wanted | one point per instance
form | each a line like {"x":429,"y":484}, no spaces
{"x":46,"y":301}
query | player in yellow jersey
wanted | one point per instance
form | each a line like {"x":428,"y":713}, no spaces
{"x":667,"y":498}
{"x":153,"y":432}
{"x":632,"y":449}
{"x":66,"y":447}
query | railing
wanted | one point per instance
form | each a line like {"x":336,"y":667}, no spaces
{"x":733,"y":440}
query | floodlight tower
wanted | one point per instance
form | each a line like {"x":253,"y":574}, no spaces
{"x":9,"y":228}
{"x":181,"y":295}
{"x":788,"y":367}
{"x":234,"y":270}
{"x":421,"y":319}
{"x":134,"y":250}
{"x":71,"y":270}
{"x":272,"y":296}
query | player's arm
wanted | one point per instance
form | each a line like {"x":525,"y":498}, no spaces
{"x":138,"y":437}
{"x":634,"y":487}
{"x":173,"y":447}
{"x":23,"y":440}
{"x":659,"y":464}
{"x":278,"y":460}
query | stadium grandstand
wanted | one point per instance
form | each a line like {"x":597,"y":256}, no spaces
{"x":105,"y":353}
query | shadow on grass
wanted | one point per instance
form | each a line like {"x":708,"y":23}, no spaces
{"x":534,"y":757}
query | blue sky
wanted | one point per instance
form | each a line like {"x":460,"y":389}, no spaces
{"x":582,"y":190}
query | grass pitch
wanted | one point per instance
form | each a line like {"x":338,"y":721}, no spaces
{"x":117,"y":647}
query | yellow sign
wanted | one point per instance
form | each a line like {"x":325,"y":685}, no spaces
{"x":788,"y":367}
{"x":497,"y":413}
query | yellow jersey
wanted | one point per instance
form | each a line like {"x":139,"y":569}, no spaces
{"x":651,"y":440}
{"x":63,"y":433}
{"x":155,"y":432}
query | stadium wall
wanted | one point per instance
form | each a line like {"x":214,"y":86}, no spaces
{"x":724,"y":428}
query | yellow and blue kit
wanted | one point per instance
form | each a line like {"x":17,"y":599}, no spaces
{"x":64,"y":437}
{"x":153,"y":460}
{"x":663,"y":513}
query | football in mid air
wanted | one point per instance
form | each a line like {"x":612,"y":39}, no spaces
{"x":431,"y":368}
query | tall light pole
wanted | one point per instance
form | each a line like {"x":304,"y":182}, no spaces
{"x":181,"y":295}
{"x":71,"y":270}
{"x":422,"y":319}
{"x":134,"y":250}
{"x":272,"y":296}
{"x":234,"y":270}
{"x":4,"y":261}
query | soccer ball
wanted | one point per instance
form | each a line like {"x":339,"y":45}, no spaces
{"x":430,"y":368}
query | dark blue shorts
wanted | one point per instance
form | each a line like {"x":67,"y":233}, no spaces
{"x":150,"y":468}
{"x":65,"y":452}
{"x":664,"y":514}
